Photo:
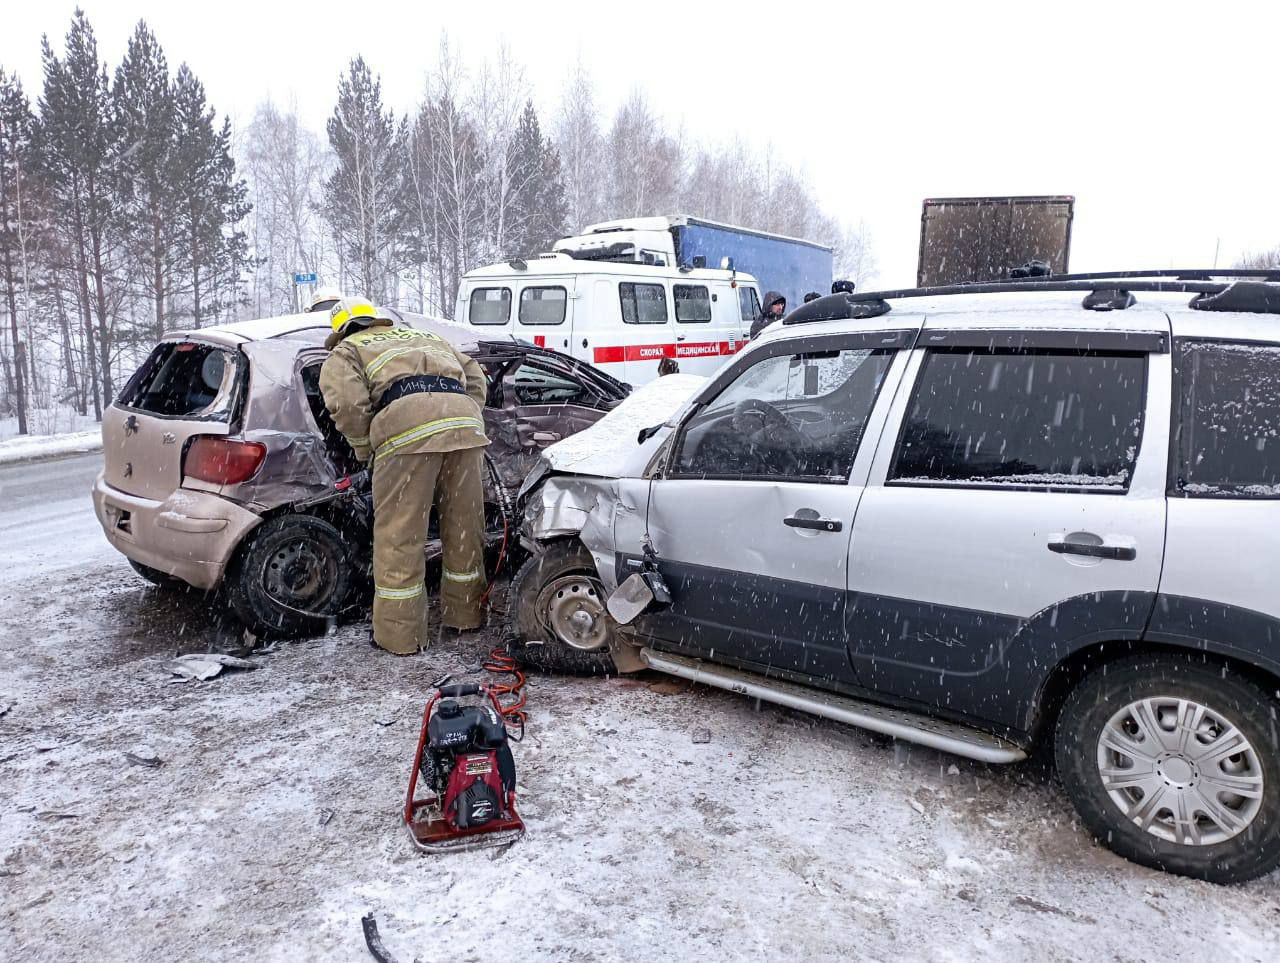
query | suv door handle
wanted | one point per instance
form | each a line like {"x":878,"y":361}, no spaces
{"x":817,"y":524}
{"x":1119,"y":553}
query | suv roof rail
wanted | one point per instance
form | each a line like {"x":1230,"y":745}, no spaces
{"x":1182,"y":274}
{"x":1247,"y":296}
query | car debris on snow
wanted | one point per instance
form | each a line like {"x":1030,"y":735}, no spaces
{"x":373,"y":940}
{"x":701,"y":736}
{"x":204,"y":666}
{"x":4,"y":708}
{"x":144,"y":757}
{"x":325,"y":816}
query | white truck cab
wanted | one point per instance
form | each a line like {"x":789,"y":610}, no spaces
{"x":624,"y":317}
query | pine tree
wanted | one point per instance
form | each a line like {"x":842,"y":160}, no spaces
{"x":365,"y":196}
{"x":78,"y":148}
{"x":16,"y":127}
{"x":538,"y":208}
{"x":215,"y":200}
{"x":148,"y":188}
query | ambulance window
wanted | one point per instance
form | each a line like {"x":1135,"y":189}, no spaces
{"x":749,"y":303}
{"x":490,"y":306}
{"x":643,"y":303}
{"x":693,"y":302}
{"x":543,"y":305}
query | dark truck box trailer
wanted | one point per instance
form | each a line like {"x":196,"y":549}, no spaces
{"x":984,"y":238}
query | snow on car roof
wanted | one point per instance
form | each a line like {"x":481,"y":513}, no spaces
{"x":560,"y":265}
{"x":314,"y":327}
{"x":260,"y":329}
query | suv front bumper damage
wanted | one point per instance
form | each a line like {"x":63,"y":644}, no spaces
{"x":191,"y":534}
{"x":574,"y":506}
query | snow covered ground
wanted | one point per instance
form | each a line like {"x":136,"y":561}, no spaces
{"x":59,"y":420}
{"x":19,"y":448}
{"x":271,"y":825}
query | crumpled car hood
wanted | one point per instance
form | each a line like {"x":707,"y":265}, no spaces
{"x":606,"y":449}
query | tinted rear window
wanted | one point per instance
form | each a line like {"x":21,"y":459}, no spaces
{"x":490,"y":306}
{"x":185,"y":379}
{"x":643,"y":303}
{"x":1229,"y":429}
{"x":693,"y":302}
{"x":1041,"y":419}
{"x":543,"y":305}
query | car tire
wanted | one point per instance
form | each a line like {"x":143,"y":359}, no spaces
{"x":161,"y":580}
{"x":293,"y":566}
{"x":1141,"y":747}
{"x":545,"y":600}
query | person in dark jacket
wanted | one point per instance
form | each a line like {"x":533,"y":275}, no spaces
{"x":811,"y":296}
{"x":841,"y":286}
{"x":775,"y":306}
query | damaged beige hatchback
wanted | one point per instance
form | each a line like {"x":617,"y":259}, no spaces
{"x":223,"y":469}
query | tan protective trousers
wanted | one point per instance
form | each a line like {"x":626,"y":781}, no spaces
{"x":404,"y":488}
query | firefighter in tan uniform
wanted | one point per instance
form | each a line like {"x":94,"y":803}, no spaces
{"x":412,"y":403}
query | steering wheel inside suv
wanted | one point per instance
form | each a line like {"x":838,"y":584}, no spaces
{"x":765,"y":424}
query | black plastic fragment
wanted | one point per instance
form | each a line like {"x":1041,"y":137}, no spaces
{"x":1108,"y":299}
{"x":837,"y":307}
{"x":374,"y":941}
{"x":1032,"y":269}
{"x":1255,"y":297}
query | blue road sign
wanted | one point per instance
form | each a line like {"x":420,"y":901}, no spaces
{"x":304,"y":279}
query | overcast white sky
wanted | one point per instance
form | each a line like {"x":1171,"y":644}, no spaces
{"x":1158,"y":117}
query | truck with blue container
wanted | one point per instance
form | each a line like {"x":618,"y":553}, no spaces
{"x":788,"y":265}
{"x":644,"y":296}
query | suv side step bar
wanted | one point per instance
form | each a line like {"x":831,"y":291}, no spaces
{"x":908,"y":726}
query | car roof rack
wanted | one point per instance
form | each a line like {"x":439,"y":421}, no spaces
{"x":1250,"y":296}
{"x":1181,"y":274}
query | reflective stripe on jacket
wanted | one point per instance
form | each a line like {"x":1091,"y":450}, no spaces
{"x":366,"y":362}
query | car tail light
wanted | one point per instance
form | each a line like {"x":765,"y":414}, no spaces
{"x":223,"y":461}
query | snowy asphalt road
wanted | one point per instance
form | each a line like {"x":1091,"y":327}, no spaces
{"x":270,"y":827}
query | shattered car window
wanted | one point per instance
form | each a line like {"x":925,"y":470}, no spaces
{"x":795,"y":416}
{"x":185,"y":379}
{"x":535,"y":385}
{"x":1024,"y":418}
{"x":1229,"y":442}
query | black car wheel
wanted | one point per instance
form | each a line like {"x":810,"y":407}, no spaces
{"x":296,"y":573}
{"x":1174,"y":762}
{"x":557,"y":606}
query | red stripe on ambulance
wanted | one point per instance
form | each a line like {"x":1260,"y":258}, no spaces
{"x":614,"y":354}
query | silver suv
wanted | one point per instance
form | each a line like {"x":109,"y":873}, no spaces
{"x":975,"y":518}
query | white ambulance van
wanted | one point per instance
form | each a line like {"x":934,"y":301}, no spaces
{"x":623,"y":317}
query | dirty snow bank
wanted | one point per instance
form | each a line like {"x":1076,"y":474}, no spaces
{"x":37,"y":447}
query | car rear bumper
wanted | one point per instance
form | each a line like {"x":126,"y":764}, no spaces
{"x":191,"y":534}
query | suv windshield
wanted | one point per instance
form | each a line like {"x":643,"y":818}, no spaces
{"x":184,"y":379}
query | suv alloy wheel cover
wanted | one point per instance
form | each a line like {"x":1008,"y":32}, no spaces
{"x":1180,"y":770}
